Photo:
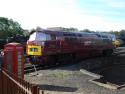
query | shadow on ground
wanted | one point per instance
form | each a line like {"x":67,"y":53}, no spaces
{"x":57,"y":88}
{"x":115,"y":75}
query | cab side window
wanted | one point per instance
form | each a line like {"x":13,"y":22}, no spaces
{"x":43,"y":37}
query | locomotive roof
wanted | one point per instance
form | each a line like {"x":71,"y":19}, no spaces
{"x":64,"y":33}
{"x":51,"y":32}
{"x":77,"y":34}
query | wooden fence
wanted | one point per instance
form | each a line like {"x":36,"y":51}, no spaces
{"x":10,"y":84}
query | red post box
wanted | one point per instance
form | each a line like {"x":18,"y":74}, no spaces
{"x":14,"y":59}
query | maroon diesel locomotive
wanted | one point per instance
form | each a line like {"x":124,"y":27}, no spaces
{"x":47,"y":47}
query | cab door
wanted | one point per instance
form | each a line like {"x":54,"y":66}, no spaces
{"x":52,"y":46}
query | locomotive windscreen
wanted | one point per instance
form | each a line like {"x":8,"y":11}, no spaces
{"x":39,"y":36}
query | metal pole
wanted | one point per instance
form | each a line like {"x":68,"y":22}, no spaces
{"x":35,"y":69}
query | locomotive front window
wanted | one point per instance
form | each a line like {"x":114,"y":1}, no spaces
{"x":33,"y":49}
{"x":43,"y":37}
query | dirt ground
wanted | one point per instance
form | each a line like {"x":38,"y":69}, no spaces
{"x":68,"y":79}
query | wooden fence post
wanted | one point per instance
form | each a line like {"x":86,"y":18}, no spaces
{"x":42,"y":92}
{"x":35,"y":89}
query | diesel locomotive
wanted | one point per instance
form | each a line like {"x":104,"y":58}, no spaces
{"x":48,"y":47}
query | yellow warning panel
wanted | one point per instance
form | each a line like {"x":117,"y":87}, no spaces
{"x":34,"y":50}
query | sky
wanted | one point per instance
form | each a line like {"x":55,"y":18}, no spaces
{"x":97,"y":15}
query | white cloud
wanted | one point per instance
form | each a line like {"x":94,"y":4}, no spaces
{"x":37,"y":12}
{"x":48,"y":13}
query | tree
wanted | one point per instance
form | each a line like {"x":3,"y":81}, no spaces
{"x":63,"y":29}
{"x":86,"y":30}
{"x":8,"y":28}
{"x":72,"y":29}
{"x":115,"y":32}
{"x":122,"y":33}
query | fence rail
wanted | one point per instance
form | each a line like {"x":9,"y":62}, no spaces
{"x":10,"y":84}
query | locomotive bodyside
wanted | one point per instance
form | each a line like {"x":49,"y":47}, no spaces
{"x":51,"y":46}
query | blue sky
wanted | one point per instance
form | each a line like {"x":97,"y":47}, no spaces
{"x":112,"y":10}
{"x":95,"y":15}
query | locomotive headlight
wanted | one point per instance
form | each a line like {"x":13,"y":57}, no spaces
{"x":34,"y":50}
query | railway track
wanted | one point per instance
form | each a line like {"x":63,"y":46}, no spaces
{"x":28,"y":68}
{"x":33,"y":68}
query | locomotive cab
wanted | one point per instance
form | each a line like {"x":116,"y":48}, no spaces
{"x":36,"y":42}
{"x":40,"y":44}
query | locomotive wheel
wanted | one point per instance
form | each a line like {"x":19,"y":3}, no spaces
{"x":64,"y":58}
{"x":107,"y":52}
{"x":51,"y":60}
